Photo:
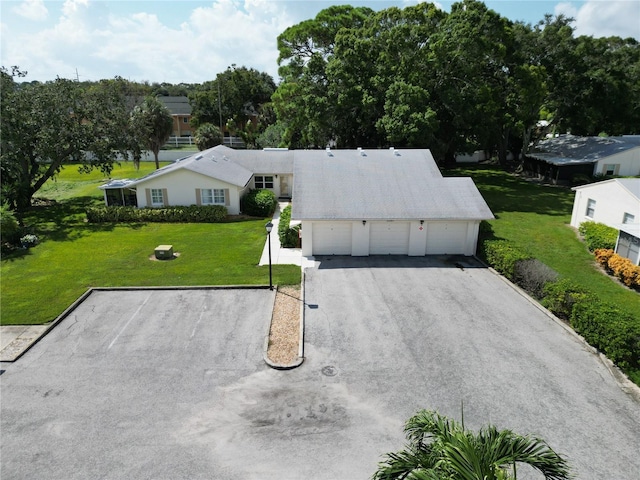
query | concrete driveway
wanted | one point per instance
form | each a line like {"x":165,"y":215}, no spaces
{"x":171,"y":384}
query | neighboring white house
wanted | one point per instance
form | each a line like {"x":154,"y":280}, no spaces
{"x":381,"y":202}
{"x":615,"y":203}
{"x":350,"y":202}
{"x":563,"y":157}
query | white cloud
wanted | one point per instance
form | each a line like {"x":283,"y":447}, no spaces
{"x":597,"y":18}
{"x":32,"y":9}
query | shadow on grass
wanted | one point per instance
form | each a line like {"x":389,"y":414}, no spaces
{"x":66,"y":220}
{"x":506,"y":192}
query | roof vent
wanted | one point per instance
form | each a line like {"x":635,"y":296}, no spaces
{"x":275,"y":149}
{"x":329,"y":153}
{"x":198,"y":157}
{"x":361,"y":152}
{"x":394,"y":151}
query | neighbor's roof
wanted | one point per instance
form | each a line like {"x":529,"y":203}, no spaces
{"x":267,"y":161}
{"x":380,"y":184}
{"x":632,"y":185}
{"x":209,"y":162}
{"x":176,"y":105}
{"x":573,"y":150}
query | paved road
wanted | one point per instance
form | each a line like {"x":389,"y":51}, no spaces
{"x":171,"y":384}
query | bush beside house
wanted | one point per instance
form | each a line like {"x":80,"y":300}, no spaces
{"x":598,"y":235}
{"x":259,"y":203}
{"x":289,"y":236}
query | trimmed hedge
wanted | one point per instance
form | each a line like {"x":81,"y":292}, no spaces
{"x":503,"y":256}
{"x":288,"y":236}
{"x":598,"y":235}
{"x":610,"y":330}
{"x":259,"y":203}
{"x":621,"y":267}
{"x":190,"y":214}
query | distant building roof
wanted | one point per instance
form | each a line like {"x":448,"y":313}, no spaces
{"x":380,"y":184}
{"x":176,"y":105}
{"x":573,"y":150}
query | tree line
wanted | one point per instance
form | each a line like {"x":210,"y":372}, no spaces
{"x":413,"y":77}
{"x":452,"y":82}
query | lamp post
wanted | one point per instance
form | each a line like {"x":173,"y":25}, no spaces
{"x":269,"y":227}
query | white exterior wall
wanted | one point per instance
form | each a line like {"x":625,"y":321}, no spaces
{"x":418,"y":233}
{"x":628,"y":161}
{"x":612,"y":201}
{"x":181,"y":188}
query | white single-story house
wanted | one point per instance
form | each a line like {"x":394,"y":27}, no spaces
{"x":349,"y":202}
{"x":564,"y":157}
{"x":381,"y":202}
{"x":615,"y":203}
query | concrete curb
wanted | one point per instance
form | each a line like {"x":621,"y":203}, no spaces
{"x":300,"y":358}
{"x":626,"y":385}
{"x":20,"y":346}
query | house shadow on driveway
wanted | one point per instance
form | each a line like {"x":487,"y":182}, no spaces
{"x":398,"y":261}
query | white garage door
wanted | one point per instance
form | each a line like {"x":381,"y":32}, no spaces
{"x":446,"y":238}
{"x":389,"y":238}
{"x":332,"y":238}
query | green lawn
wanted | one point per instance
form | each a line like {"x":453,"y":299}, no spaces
{"x":536,"y":218}
{"x":38,"y":284}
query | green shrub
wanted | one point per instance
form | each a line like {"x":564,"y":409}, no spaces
{"x":190,"y":214}
{"x":503,"y":256}
{"x":288,"y":235}
{"x":259,"y":203}
{"x":598,"y":235}
{"x":560,"y":297}
{"x":9,"y":226}
{"x":610,"y":330}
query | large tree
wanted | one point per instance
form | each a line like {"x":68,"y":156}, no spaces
{"x":302,"y":102}
{"x":46,"y":125}
{"x":238,"y":95}
{"x":152,"y":124}
{"x":441,"y":448}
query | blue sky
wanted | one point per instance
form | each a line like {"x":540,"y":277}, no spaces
{"x":191,"y":41}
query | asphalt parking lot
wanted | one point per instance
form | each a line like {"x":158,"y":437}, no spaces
{"x":170,"y":384}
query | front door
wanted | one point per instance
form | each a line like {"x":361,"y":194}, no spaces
{"x":284,"y":186}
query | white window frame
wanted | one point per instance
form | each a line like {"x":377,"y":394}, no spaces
{"x":212,"y":196}
{"x":157,"y":197}
{"x":591,"y":208}
{"x":263,"y":181}
{"x":628,"y":218}
{"x":610,"y":168}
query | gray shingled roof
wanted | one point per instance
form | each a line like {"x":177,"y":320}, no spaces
{"x":176,"y":105}
{"x":571,"y":149}
{"x":381,"y":184}
{"x":209,"y":162}
{"x":270,"y":161}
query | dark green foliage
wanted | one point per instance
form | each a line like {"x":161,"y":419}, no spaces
{"x":288,"y":235}
{"x":9,"y":226}
{"x":598,"y":235}
{"x":259,"y":203}
{"x":503,"y":256}
{"x":207,"y":136}
{"x":190,"y":214}
{"x":438,"y":447}
{"x":560,"y":297}
{"x":610,"y":330}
